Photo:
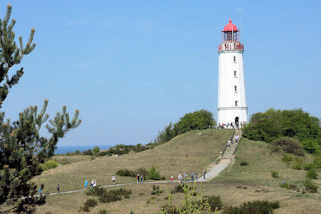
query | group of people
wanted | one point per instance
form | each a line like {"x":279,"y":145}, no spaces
{"x":93,"y":183}
{"x":193,"y":176}
{"x":231,"y":125}
{"x":140,"y":179}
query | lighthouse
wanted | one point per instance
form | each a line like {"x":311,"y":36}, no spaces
{"x":231,"y":105}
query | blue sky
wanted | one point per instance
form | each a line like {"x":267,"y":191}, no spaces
{"x":131,"y":67}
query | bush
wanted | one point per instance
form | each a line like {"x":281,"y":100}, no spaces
{"x":254,"y":207}
{"x":308,"y":166}
{"x":88,"y":204}
{"x":274,"y":124}
{"x":170,"y":209}
{"x":275,"y":174}
{"x":178,"y":188}
{"x":95,"y":150}
{"x":156,"y":190}
{"x":298,"y":164}
{"x":289,"y":145}
{"x":214,"y":202}
{"x":244,"y":163}
{"x":317,"y":162}
{"x":126,"y":172}
{"x":287,"y":158}
{"x":312,"y":174}
{"x":102,"y":211}
{"x":310,"y":186}
{"x":153,"y":174}
{"x":287,"y":185}
{"x":95,"y":191}
{"x":114,"y":195}
{"x":50,"y":164}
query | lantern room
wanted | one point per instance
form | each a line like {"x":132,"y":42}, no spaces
{"x":230,"y":32}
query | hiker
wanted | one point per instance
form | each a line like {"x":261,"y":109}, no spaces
{"x":94,"y":184}
{"x":204,"y":174}
{"x":192,"y":176}
{"x":180,"y":177}
{"x":113,"y":179}
{"x":172,"y":178}
{"x":185,"y":176}
{"x":40,"y":190}
{"x":137,"y":178}
{"x":86,"y":183}
{"x":58,"y":188}
{"x":237,"y":137}
{"x":141,"y":179}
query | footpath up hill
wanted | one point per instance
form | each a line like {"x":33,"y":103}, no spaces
{"x":189,"y":152}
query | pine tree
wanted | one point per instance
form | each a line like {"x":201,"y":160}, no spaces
{"x":22,"y":148}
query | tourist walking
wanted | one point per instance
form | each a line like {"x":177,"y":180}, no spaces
{"x":58,"y":188}
{"x":141,"y":179}
{"x":204,"y":174}
{"x":180,"y":178}
{"x":86,"y":183}
{"x":137,"y":178}
{"x":113,"y":179}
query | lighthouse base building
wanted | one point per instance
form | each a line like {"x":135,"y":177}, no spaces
{"x":232,"y":109}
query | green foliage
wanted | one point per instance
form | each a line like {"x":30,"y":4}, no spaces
{"x":298,"y":163}
{"x":312,"y":174}
{"x":287,"y":185}
{"x":102,"y":211}
{"x":308,"y":166}
{"x":287,"y":158}
{"x":95,"y":150}
{"x":214,"y":202}
{"x":88,"y":204}
{"x":156,"y":190}
{"x":244,"y":163}
{"x":197,"y":120}
{"x":180,"y":188}
{"x":153,"y":174}
{"x":105,"y":196}
{"x":289,"y":145}
{"x":50,"y":164}
{"x":310,"y":186}
{"x":253,"y":207}
{"x":275,"y":174}
{"x":133,"y":173}
{"x":317,"y":162}
{"x":22,"y":148}
{"x":274,"y":124}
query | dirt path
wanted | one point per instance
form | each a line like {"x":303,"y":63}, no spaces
{"x":226,"y":159}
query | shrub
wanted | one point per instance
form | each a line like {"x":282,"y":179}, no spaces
{"x":114,"y":195}
{"x":312,"y":174}
{"x":156,"y":190}
{"x":102,"y":211}
{"x":287,"y":185}
{"x":275,"y":174}
{"x":95,"y":150}
{"x":298,"y":164}
{"x":317,"y":162}
{"x":253,"y":207}
{"x":50,"y":164}
{"x":95,"y":191}
{"x":178,"y":188}
{"x":308,"y":166}
{"x":310,"y":186}
{"x":244,"y":163}
{"x":289,"y":145}
{"x":153,"y":174}
{"x":126,"y":172}
{"x":88,"y":204}
{"x":88,"y":152}
{"x":214,"y":202}
{"x":170,"y":209}
{"x":142,"y":171}
{"x":287,"y":158}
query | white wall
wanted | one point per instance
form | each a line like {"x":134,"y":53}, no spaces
{"x":227,"y":111}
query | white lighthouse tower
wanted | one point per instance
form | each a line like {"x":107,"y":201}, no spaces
{"x":231,"y":106}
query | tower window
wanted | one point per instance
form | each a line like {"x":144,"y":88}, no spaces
{"x":234,"y":59}
{"x":236,"y":103}
{"x":235,"y":72}
{"x":235,"y":88}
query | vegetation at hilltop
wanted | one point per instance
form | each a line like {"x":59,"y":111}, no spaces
{"x":22,"y":148}
{"x":197,"y":120}
{"x":274,"y":124}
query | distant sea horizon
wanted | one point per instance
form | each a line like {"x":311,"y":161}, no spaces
{"x":66,"y":149}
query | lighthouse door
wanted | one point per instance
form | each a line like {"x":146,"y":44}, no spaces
{"x":236,"y":122}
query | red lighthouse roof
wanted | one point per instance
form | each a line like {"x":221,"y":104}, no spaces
{"x":230,"y":27}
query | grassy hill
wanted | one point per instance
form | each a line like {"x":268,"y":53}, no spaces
{"x":190,"y":152}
